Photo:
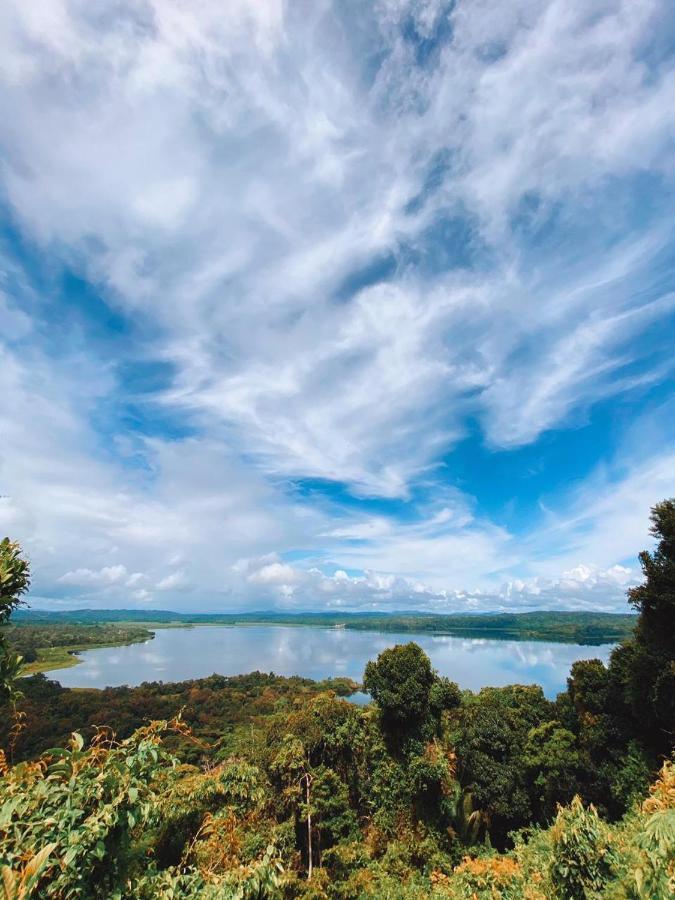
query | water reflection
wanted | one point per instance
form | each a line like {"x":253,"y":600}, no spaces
{"x":180,"y":653}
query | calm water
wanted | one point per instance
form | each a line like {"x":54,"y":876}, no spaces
{"x":177,"y":654}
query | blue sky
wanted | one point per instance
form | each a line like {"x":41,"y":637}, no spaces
{"x":336,"y":305}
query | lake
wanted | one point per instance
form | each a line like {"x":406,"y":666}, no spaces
{"x":177,"y":654}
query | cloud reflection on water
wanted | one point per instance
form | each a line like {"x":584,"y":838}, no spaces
{"x":177,"y":654}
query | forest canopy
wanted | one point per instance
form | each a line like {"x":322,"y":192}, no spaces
{"x":267,"y":787}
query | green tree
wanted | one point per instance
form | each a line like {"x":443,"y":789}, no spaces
{"x":14,"y":582}
{"x":444,"y":695}
{"x":655,"y":598}
{"x":645,"y":667}
{"x":332,"y":816}
{"x":489,"y":733}
{"x":552,"y":760}
{"x":291,"y":766}
{"x":400,"y":682}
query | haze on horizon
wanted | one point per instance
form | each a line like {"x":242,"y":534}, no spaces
{"x":336,"y":305}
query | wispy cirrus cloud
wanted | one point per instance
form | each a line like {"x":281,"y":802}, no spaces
{"x":319,"y":259}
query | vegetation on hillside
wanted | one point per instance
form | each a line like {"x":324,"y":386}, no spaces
{"x":564,"y":627}
{"x":281,"y":789}
{"x":220,"y":711}
{"x":47,"y":647}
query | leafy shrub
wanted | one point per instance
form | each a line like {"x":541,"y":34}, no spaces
{"x":76,"y":812}
{"x":492,"y":876}
{"x":582,"y":854}
{"x":655,"y":872}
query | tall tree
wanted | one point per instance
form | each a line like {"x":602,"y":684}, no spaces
{"x":655,"y":598}
{"x":400,"y":682}
{"x":645,"y":667}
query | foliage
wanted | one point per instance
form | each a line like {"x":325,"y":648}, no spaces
{"x":32,"y":642}
{"x":126,"y":819}
{"x":14,"y":582}
{"x":85,"y":806}
{"x":220,"y":711}
{"x":655,"y":871}
{"x":400,"y":682}
{"x":649,"y":681}
{"x":281,"y":789}
{"x":578,"y":856}
{"x":444,"y":695}
{"x":489,"y":733}
{"x":582,"y":857}
{"x":411,"y":697}
{"x":551,"y":756}
{"x":14,"y":578}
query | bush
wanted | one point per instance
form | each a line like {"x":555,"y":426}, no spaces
{"x":73,"y":813}
{"x":582,"y":855}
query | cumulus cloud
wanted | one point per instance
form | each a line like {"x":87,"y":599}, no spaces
{"x":273,"y":573}
{"x":584,"y":588}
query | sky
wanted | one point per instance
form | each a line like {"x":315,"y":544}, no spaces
{"x":351,"y":305}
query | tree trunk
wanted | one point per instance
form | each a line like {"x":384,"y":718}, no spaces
{"x":307,"y":778}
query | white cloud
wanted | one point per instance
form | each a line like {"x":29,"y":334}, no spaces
{"x":134,"y":579}
{"x":273,"y":573}
{"x":193,"y":504}
{"x":171,"y":581}
{"x":104,"y":576}
{"x":231,"y":185}
{"x":607,"y":517}
{"x":239,"y":168}
{"x":586,"y":588}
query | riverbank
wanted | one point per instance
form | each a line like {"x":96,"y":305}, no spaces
{"x":49,"y":659}
{"x":47,"y":647}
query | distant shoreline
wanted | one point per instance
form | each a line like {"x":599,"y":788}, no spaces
{"x":585,"y":628}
